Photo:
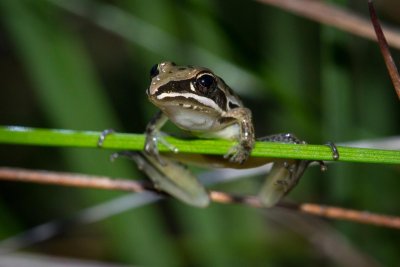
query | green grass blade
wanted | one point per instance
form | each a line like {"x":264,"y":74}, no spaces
{"x":123,"y":141}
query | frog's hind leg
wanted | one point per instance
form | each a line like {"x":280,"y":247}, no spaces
{"x":284,"y":174}
{"x":288,"y":138}
{"x":282,"y":178}
{"x":170,"y":177}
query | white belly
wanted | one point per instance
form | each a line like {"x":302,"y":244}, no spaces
{"x":231,"y":132}
{"x":192,"y":120}
{"x":203,"y":124}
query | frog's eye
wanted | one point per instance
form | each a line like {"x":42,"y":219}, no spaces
{"x":206,"y":81}
{"x":154,"y":71}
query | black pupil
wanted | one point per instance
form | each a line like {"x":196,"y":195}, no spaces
{"x":154,"y":71}
{"x":206,"y":81}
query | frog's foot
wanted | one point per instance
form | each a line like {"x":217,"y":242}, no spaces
{"x":292,"y":139}
{"x":238,"y":153}
{"x":151,"y":146}
{"x":103,"y":136}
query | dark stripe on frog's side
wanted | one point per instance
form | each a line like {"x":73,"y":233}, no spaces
{"x":183,"y":86}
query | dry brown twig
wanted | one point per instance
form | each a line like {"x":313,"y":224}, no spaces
{"x":335,"y":16}
{"x":101,"y":182}
{"x":384,"y":47}
{"x":348,"y":21}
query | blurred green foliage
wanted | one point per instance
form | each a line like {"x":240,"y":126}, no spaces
{"x":83,"y":65}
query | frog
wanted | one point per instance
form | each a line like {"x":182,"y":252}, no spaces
{"x":201,"y":103}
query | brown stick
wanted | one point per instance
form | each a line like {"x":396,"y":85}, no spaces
{"x":101,"y":182}
{"x":334,"y":16}
{"x":69,"y":179}
{"x":315,"y":209}
{"x":351,"y":215}
{"x":384,"y":47}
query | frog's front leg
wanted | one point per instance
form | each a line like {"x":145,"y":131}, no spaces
{"x":153,"y":136}
{"x":240,"y":152}
{"x":168,"y":175}
{"x":284,"y":174}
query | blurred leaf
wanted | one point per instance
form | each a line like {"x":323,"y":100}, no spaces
{"x":71,"y":96}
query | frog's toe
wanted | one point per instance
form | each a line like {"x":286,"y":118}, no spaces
{"x":103,"y":136}
{"x":237,"y":154}
{"x":151,"y":147}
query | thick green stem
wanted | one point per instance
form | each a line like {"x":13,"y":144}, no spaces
{"x":122,"y":141}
